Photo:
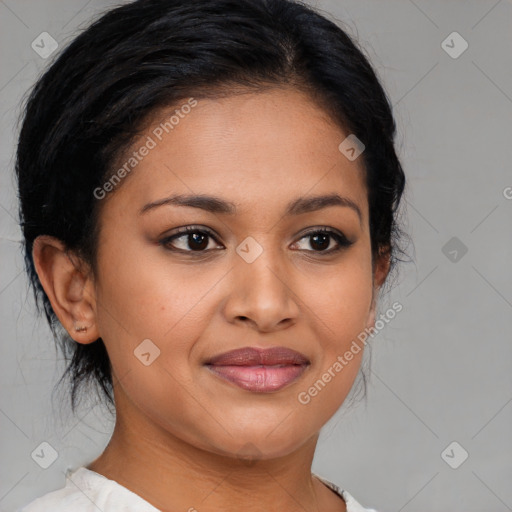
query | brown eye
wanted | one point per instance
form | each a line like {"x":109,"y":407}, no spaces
{"x":321,"y":241}
{"x":189,"y":239}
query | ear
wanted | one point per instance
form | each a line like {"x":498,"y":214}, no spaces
{"x":380,"y":269}
{"x":68,"y":283}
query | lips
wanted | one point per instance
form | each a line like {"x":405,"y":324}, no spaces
{"x":259,"y":370}
{"x":249,"y":356}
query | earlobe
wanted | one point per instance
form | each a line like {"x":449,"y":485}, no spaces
{"x":381,"y":271}
{"x":382,"y":267}
{"x":69,"y":288}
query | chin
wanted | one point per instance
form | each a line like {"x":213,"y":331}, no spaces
{"x":258,"y":445}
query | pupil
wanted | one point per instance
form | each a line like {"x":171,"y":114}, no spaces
{"x":324,"y":243}
{"x":196,"y":238}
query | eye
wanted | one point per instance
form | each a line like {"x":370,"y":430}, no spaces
{"x":320,"y":241}
{"x":196,"y":239}
{"x":193,"y":239}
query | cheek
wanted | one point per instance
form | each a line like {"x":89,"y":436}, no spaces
{"x":342,"y":302}
{"x":150,"y":314}
{"x":341,"y":320}
{"x":340,"y":310}
{"x":142,"y":294}
{"x":140,"y":300}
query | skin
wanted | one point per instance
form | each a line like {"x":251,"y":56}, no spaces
{"x":180,"y":431}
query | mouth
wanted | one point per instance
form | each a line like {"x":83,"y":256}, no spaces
{"x":259,"y":370}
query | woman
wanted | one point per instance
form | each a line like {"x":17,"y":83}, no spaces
{"x":208,"y":197}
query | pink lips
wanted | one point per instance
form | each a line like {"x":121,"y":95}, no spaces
{"x":261,"y":370}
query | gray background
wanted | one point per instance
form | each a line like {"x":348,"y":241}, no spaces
{"x":440,"y":369}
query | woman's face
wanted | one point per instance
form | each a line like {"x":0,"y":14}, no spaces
{"x":261,"y":277}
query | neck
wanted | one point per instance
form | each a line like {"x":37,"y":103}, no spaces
{"x":172,"y":474}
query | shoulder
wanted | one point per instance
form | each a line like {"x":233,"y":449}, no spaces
{"x":352,"y":504}
{"x":87,"y":491}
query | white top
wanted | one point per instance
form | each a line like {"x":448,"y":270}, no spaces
{"x":88,"y":491}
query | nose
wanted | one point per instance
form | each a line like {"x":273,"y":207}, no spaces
{"x":261,"y":293}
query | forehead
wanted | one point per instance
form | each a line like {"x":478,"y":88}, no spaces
{"x":253,"y":149}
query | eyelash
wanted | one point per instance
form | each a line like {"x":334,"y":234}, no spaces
{"x":342,"y":241}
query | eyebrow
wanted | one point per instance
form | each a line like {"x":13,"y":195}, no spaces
{"x":214,"y":204}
